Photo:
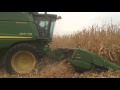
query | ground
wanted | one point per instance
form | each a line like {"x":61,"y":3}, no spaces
{"x":61,"y":69}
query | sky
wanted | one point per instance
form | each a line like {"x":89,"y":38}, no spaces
{"x":76,"y":21}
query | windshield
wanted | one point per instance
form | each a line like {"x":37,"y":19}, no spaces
{"x":52,"y":27}
{"x":42,"y":24}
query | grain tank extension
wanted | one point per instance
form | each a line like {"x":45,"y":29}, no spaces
{"x":24,"y":39}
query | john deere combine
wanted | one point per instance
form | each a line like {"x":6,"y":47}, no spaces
{"x":24,"y":39}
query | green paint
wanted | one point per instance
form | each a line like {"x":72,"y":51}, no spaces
{"x":19,"y":27}
{"x":90,"y":58}
{"x":81,"y":65}
{"x":57,"y":54}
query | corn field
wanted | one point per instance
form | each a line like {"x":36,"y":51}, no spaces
{"x":103,"y":41}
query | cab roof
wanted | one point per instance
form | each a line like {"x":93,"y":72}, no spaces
{"x":21,"y":16}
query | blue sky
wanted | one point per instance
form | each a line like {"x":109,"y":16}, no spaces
{"x":74,"y":21}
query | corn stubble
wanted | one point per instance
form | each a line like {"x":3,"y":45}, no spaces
{"x":103,"y":41}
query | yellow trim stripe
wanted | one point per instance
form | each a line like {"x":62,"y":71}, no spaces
{"x":17,"y":37}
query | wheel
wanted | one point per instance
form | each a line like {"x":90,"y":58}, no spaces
{"x":22,"y":59}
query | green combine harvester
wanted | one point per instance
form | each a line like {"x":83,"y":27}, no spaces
{"x":24,"y":39}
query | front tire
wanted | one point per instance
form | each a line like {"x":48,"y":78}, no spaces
{"x":22,"y":59}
